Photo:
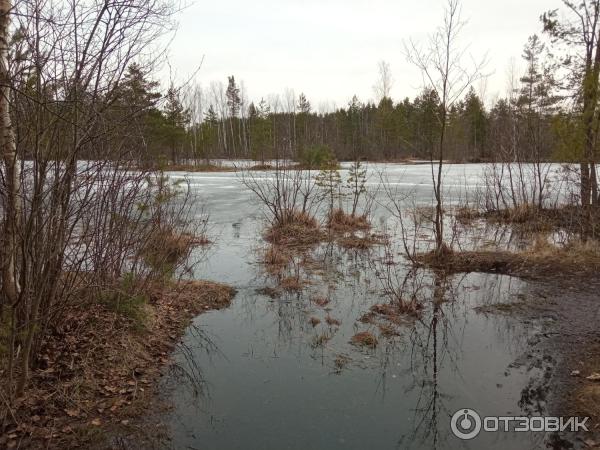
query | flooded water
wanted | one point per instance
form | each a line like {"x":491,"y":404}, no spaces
{"x":263,"y":374}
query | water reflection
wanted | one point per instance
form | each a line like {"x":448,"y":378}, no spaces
{"x":279,"y":370}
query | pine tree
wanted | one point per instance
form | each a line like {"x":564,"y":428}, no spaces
{"x":233,"y":98}
{"x":329,"y":182}
{"x":356,"y":183}
{"x":259,"y":130}
{"x":136,"y":102}
{"x":475,"y":124}
{"x":176,"y":120}
{"x":234,"y":103}
{"x":303,"y":105}
{"x":301,"y":124}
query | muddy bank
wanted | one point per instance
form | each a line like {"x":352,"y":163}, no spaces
{"x":563,"y":267}
{"x":566,"y":347}
{"x":99,"y":371}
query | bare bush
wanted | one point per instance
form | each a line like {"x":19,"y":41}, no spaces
{"x":75,"y":215}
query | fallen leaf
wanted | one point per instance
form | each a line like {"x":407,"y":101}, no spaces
{"x":594,"y":377}
{"x":72,"y":412}
{"x":96,"y":422}
{"x":575,"y":373}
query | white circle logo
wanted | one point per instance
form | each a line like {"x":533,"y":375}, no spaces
{"x":465,"y":424}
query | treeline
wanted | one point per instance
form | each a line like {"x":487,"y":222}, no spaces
{"x":530,"y":124}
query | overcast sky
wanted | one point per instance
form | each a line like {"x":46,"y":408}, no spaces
{"x":329,"y":49}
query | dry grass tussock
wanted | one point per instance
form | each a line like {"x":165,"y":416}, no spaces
{"x":364,"y":339}
{"x":532,"y":218}
{"x":521,"y":214}
{"x":398,"y":309}
{"x":341,"y":222}
{"x":292,"y":284}
{"x":296,"y":230}
{"x":574,"y":254}
{"x":365,"y":242}
{"x":165,"y":248}
{"x":97,"y":371}
{"x":275,"y":259}
{"x":541,"y":259}
{"x":332,"y":322}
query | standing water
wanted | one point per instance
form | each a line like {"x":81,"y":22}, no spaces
{"x":280,"y":372}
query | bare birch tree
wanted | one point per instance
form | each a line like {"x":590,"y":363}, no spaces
{"x":383,"y":86}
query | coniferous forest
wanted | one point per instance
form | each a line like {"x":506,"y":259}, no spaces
{"x":535,"y":120}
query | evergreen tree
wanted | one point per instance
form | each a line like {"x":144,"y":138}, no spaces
{"x":136,"y":103}
{"x":329,"y":182}
{"x":233,"y":98}
{"x":303,"y":105}
{"x":259,"y":130}
{"x":234,"y":103}
{"x":301,"y":123}
{"x":356,"y":183}
{"x":176,"y":119}
{"x":475,"y":124}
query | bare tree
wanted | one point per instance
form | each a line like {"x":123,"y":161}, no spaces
{"x":383,"y":86}
{"x":443,"y":68}
{"x":75,"y":217}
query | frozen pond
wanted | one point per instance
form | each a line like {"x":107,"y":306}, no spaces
{"x":260,"y":375}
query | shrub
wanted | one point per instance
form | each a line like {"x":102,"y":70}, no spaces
{"x":316,"y":157}
{"x":127,"y":300}
{"x":165,"y":249}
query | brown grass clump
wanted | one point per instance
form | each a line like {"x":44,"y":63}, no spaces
{"x":364,"y":339}
{"x":275,"y":259}
{"x":320,"y":301}
{"x":464,"y":214}
{"x":269,"y":291}
{"x":298,"y":229}
{"x":393,"y":311}
{"x":331,"y":321}
{"x":320,"y":340}
{"x":361,"y":242}
{"x":340,"y":362}
{"x":523,"y":213}
{"x":339,"y":221}
{"x":575,"y":253}
{"x":367,"y":317}
{"x":384,"y":309}
{"x":542,"y":259}
{"x":293,"y":284}
{"x":165,"y":248}
{"x":314,"y":321}
{"x":388,"y":330}
{"x":531,"y":218}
